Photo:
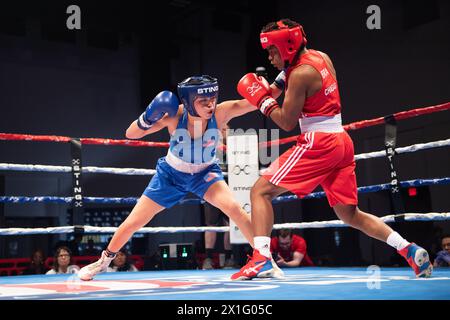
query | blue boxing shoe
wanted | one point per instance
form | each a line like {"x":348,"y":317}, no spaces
{"x":418,"y":259}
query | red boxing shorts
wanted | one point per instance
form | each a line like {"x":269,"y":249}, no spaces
{"x":319,"y":158}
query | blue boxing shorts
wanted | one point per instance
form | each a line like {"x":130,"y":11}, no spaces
{"x":168,"y":186}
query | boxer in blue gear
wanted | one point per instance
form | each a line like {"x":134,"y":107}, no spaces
{"x":190,"y":164}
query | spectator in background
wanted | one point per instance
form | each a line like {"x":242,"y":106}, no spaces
{"x":121,"y":263}
{"x":37,"y":263}
{"x":289,"y":250}
{"x":90,"y":249}
{"x":74,"y":244}
{"x":62,"y":262}
{"x":443,"y":256}
{"x":215,"y":217}
{"x":153,"y":261}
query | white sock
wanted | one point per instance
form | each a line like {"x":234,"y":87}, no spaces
{"x":395,"y":240}
{"x":262,"y":244}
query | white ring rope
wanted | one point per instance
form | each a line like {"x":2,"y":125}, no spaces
{"x":432,"y":216}
{"x":67,"y":169}
{"x":133,"y":171}
{"x":412,"y":148}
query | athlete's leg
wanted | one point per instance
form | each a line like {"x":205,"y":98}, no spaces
{"x":220,"y":196}
{"x":212,"y":216}
{"x":211,"y":219}
{"x":365,"y":222}
{"x":261,"y":196}
{"x":210,"y":239}
{"x":416,"y":256}
{"x":226,"y":241}
{"x":287,"y":173}
{"x":142,"y":213}
{"x":261,"y":264}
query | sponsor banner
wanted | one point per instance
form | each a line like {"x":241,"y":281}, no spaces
{"x":243,"y":171}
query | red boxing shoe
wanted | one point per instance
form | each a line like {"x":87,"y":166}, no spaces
{"x":257,"y":266}
{"x":418,"y":259}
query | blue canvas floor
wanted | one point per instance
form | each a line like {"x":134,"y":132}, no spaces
{"x":299,"y":284}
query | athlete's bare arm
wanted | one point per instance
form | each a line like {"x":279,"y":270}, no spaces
{"x":300,"y":81}
{"x":230,"y":109}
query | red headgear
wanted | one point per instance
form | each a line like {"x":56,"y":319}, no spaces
{"x":287,"y":40}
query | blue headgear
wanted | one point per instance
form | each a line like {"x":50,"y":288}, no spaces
{"x":193,"y":87}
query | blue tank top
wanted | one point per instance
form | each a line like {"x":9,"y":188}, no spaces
{"x":196,"y":151}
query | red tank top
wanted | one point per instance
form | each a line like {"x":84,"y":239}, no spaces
{"x":326,"y":101}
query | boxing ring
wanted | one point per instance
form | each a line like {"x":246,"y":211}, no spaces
{"x":306,"y":283}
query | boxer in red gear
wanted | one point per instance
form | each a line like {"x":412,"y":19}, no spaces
{"x":324,"y":153}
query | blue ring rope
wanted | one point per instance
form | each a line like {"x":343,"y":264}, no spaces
{"x":132,"y":200}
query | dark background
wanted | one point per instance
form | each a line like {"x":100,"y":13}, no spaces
{"x":95,"y":81}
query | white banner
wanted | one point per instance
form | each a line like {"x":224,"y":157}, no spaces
{"x":243,"y":171}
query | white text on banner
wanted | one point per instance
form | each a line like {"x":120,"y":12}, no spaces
{"x":243,"y":171}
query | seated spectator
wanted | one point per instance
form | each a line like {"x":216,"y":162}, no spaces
{"x":37,"y":263}
{"x":443,"y":256}
{"x":153,"y":262}
{"x":213,"y":218}
{"x":74,"y":244}
{"x":62,"y":262}
{"x":91,"y":250}
{"x":121,"y":263}
{"x":289,"y":250}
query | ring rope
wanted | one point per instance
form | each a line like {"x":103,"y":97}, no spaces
{"x":369,"y":123}
{"x":369,"y":189}
{"x":135,"y":171}
{"x":97,"y":141}
{"x":68,"y":200}
{"x":130,"y":171}
{"x":432,"y":216}
{"x":408,"y":149}
{"x":398,"y":116}
{"x":138,"y":143}
{"x":133,"y":200}
{"x":67,"y":169}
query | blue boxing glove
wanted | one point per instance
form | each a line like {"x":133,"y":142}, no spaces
{"x":164,"y":102}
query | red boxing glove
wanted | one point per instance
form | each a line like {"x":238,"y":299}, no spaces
{"x":257,"y":91}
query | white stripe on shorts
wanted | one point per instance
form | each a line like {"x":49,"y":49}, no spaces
{"x":293,"y":159}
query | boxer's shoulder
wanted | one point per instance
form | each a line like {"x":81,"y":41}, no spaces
{"x":172,"y":122}
{"x":220,"y":113}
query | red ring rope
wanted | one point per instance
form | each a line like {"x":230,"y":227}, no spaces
{"x":137,"y":143}
{"x":369,"y":123}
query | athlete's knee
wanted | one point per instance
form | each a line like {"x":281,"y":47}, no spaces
{"x":232,"y":208}
{"x":347,"y":213}
{"x":135,"y":223}
{"x":131,"y":225}
{"x":262,"y":189}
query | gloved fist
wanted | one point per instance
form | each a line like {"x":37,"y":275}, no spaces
{"x":164,"y":102}
{"x":257,"y":91}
